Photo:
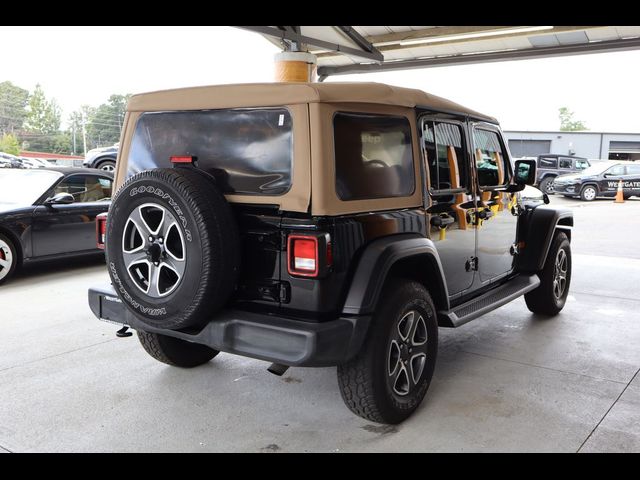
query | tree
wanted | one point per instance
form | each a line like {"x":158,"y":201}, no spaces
{"x":105,"y":125}
{"x":44,"y":115}
{"x":13,"y":103}
{"x":567,"y":123}
{"x":9,"y":144}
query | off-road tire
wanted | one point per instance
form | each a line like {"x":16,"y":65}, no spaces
{"x":543,"y":300}
{"x":363,"y":380}
{"x":174,"y":351}
{"x":209,"y":241}
{"x":544,"y":185}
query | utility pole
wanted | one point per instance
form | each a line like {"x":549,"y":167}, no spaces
{"x":74,"y":138}
{"x":84,"y":135}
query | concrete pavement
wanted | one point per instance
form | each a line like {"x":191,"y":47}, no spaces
{"x":509,"y":381}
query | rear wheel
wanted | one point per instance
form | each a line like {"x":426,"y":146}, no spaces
{"x":555,"y":278}
{"x":8,"y":258}
{"x":175,"y":352}
{"x":588,"y":193}
{"x":389,"y":377}
{"x":546,"y":185}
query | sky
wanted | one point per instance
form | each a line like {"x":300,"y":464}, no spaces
{"x":84,"y":65}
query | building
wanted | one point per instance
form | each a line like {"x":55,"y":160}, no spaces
{"x":55,"y":158}
{"x":592,"y":145}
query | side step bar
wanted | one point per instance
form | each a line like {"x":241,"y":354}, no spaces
{"x":488,"y":301}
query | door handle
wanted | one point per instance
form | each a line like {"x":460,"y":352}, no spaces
{"x":441,"y":221}
{"x":484,"y":214}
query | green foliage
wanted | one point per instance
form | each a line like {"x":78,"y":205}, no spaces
{"x":9,"y":144}
{"x":567,"y":123}
{"x":44,"y":115}
{"x":105,"y":125}
{"x":13,"y":103}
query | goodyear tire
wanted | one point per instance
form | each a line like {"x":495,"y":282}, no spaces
{"x":172,"y":247}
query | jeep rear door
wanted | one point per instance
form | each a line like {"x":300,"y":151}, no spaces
{"x":445,"y":150}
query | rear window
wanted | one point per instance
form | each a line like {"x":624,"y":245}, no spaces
{"x":548,"y":162}
{"x":249,"y":151}
{"x":373,"y":155}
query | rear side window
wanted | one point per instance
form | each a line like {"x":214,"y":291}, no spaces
{"x":548,"y":162}
{"x":565,"y":163}
{"x":373,"y":155}
{"x":249,"y":151}
{"x":633,"y":170}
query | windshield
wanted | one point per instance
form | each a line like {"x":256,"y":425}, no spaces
{"x":25,"y":187}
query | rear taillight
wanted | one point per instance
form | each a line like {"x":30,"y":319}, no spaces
{"x":101,"y":229}
{"x":308,"y":255}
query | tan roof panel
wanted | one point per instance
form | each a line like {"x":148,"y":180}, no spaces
{"x":275,"y":94}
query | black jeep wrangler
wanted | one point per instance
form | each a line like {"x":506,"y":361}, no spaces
{"x":322,"y":225}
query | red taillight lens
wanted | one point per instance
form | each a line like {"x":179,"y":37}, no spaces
{"x":303,"y":255}
{"x":182,"y":159}
{"x":101,"y":230}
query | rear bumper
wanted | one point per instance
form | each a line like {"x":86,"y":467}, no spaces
{"x":265,"y":337}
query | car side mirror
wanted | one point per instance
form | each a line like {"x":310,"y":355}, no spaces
{"x":60,"y":199}
{"x":525,"y":172}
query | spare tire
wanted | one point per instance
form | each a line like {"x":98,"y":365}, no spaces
{"x":172,"y":247}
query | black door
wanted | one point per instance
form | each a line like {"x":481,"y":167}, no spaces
{"x":59,"y":229}
{"x":451,"y":201}
{"x":608,"y":183}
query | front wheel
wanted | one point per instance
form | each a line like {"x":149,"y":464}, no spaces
{"x":389,"y":377}
{"x":549,"y":298}
{"x":175,"y":352}
{"x":107,"y":166}
{"x":588,"y":193}
{"x":546,"y":185}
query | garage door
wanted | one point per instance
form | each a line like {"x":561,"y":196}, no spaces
{"x":529,"y":148}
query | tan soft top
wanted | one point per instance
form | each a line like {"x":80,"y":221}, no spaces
{"x":277,"y":94}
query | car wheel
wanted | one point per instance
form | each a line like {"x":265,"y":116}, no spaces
{"x":107,"y":166}
{"x":588,"y":193}
{"x":174,"y":351}
{"x":172,"y":247}
{"x":555,"y":278}
{"x":546,"y":185}
{"x":389,"y":377}
{"x":8,"y":258}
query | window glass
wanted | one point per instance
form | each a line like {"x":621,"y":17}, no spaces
{"x":633,"y":169}
{"x":86,"y":188}
{"x":249,"y":151}
{"x":492,"y":165}
{"x":616,"y":170}
{"x":445,"y":155}
{"x":565,"y":163}
{"x":373,"y":155}
{"x":582,"y":164}
{"x":548,"y":162}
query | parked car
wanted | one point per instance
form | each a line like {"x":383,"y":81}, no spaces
{"x":321,"y":225}
{"x":551,"y":165}
{"x":28,"y":162}
{"x":103,"y":158}
{"x":601,"y":180}
{"x":49,"y":213}
{"x":14,"y":161}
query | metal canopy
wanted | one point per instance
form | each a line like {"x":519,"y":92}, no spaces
{"x":343,"y":49}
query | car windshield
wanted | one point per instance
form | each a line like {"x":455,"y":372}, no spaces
{"x":596,"y":169}
{"x":25,"y":187}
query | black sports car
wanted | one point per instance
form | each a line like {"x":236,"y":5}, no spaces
{"x":49,"y":213}
{"x":600,"y":180}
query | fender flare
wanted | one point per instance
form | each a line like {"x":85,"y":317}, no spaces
{"x":538,"y":233}
{"x":102,"y":158}
{"x":377,"y":260}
